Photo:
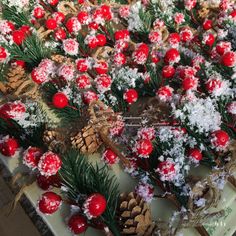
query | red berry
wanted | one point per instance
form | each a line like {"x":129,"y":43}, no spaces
{"x":229,"y":59}
{"x":80,"y":1}
{"x":167,"y":170}
{"x":209,"y":40}
{"x":18,"y":37}
{"x":195,"y":154}
{"x":164,"y":93}
{"x":103,"y":83}
{"x":101,"y":40}
{"x":130,"y":96}
{"x":110,"y":157}
{"x":213,"y":84}
{"x":38,"y":12}
{"x":207,"y":24}
{"x":119,"y":59}
{"x":49,"y":203}
{"x":9,"y":147}
{"x":168,"y":71}
{"x":38,"y":76}
{"x":60,"y":34}
{"x":220,"y":138}
{"x":93,"y":42}
{"x":49,"y":164}
{"x":51,"y":24}
{"x":13,"y":110}
{"x":82,"y":65}
{"x":189,"y":83}
{"x":59,"y":17}
{"x":233,"y":14}
{"x":53,"y":2}
{"x":144,"y":147}
{"x":93,"y":25}
{"x":94,"y":205}
{"x":78,"y":224}
{"x":223,"y":47}
{"x":122,"y":35}
{"x":31,"y":157}
{"x":83,"y":17}
{"x":83,"y":82}
{"x":10,"y":25}
{"x":174,"y":38}
{"x":19,"y":63}
{"x":172,"y":56}
{"x":89,"y":96}
{"x":73,"y":25}
{"x":60,"y":100}
{"x":106,"y":11}
{"x":101,"y":67}
{"x":47,"y":182}
{"x":3,"y":54}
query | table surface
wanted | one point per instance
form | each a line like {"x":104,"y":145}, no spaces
{"x":161,"y":209}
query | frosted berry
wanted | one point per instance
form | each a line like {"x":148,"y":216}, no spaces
{"x":31,"y":157}
{"x":83,"y":82}
{"x":209,"y":39}
{"x":13,"y":110}
{"x":207,"y":24}
{"x":92,"y":42}
{"x":47,"y":182}
{"x":9,"y":146}
{"x":229,"y":59}
{"x":174,"y":39}
{"x":223,"y":47}
{"x":213,"y":84}
{"x":172,"y":56}
{"x":130,"y":96}
{"x":119,"y":59}
{"x":122,"y":35}
{"x":168,"y":71}
{"x":195,"y":154}
{"x":51,"y":24}
{"x":167,"y":170}
{"x":219,"y":139}
{"x":110,"y":157}
{"x":77,"y":224}
{"x":49,"y":164}
{"x":83,"y":17}
{"x":3,"y":54}
{"x":103,"y":83}
{"x":60,"y":34}
{"x":53,"y":2}
{"x":60,"y":100}
{"x":106,"y":11}
{"x":189,"y":83}
{"x":101,"y":67}
{"x":38,"y":12}
{"x":39,"y":76}
{"x":73,"y":25}
{"x":94,"y":205}
{"x":144,"y":147}
{"x":164,"y":93}
{"x":82,"y":65}
{"x":49,"y":203}
{"x":89,"y":96}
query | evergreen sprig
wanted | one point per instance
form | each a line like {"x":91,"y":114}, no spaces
{"x":32,"y":51}
{"x":81,"y":179}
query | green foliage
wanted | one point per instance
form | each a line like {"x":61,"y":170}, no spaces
{"x":68,"y":114}
{"x":81,"y":178}
{"x":19,"y":18}
{"x":32,"y":51}
{"x":3,"y":70}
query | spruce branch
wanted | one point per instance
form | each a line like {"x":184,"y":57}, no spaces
{"x":81,"y":179}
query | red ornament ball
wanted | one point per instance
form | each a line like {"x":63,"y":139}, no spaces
{"x":168,"y":71}
{"x":130,"y":96}
{"x":38,"y":12}
{"x":172,"y":56}
{"x":49,"y":164}
{"x":110,"y":157}
{"x":207,"y":24}
{"x":144,"y":147}
{"x":102,"y":40}
{"x":18,"y":37}
{"x":49,"y":203}
{"x":31,"y":157}
{"x":9,"y":146}
{"x":195,"y":154}
{"x":94,"y":205}
{"x":220,"y":139}
{"x":51,"y":24}
{"x":60,"y":100}
{"x":78,"y":224}
{"x":229,"y":59}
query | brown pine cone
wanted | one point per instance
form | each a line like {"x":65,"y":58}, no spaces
{"x":87,"y":141}
{"x":54,"y":140}
{"x":134,"y":215}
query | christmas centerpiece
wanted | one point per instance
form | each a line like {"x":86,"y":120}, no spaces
{"x":149,"y":85}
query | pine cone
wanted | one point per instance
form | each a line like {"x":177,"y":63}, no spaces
{"x":87,"y":141}
{"x":134,"y":215}
{"x":54,"y":140}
